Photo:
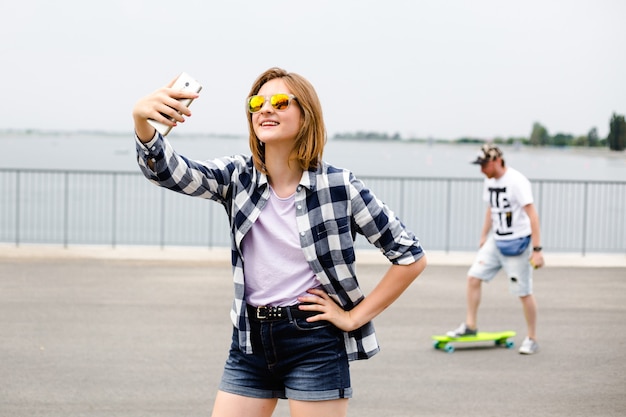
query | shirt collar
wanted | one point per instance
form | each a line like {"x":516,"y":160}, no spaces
{"x":259,"y":177}
{"x":309,"y":178}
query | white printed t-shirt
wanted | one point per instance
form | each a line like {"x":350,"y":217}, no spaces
{"x":507,"y":197}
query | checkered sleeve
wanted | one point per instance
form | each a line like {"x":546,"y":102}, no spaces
{"x":207,"y":179}
{"x":378,"y":223}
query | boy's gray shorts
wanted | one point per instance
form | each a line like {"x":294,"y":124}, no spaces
{"x":518,"y":269}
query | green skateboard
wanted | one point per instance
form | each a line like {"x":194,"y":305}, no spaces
{"x":443,"y":342}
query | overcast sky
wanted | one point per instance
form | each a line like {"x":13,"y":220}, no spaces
{"x":443,"y":69}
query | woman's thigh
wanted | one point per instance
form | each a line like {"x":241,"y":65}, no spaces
{"x":329,"y":408}
{"x":233,"y":405}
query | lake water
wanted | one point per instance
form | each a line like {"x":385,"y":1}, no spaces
{"x":103,"y":152}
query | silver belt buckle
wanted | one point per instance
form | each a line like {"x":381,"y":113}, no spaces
{"x":259,"y":314}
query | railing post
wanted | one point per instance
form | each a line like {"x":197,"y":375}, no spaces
{"x":114,"y":211}
{"x":585,"y":210}
{"x":17,"y":208}
{"x":448,"y":213}
{"x":210,"y":222}
{"x":66,"y":202}
{"x":540,"y":199}
{"x":405,"y":210}
{"x":162,"y":238}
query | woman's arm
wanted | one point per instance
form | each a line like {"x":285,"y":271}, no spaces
{"x":395,"y":281}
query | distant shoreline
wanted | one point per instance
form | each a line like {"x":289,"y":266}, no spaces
{"x":37,"y":133}
{"x":516,"y":143}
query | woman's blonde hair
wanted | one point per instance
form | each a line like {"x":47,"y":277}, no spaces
{"x":309,"y":144}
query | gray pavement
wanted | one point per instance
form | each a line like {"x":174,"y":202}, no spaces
{"x":142,"y":337}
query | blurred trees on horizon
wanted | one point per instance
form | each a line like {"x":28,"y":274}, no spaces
{"x":539,"y":136}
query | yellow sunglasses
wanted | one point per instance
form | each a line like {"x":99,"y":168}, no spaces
{"x":279,"y":102}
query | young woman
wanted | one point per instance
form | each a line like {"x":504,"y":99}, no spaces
{"x":299,"y":315}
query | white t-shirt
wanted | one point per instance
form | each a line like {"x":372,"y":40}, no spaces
{"x":276,"y":272}
{"x":507,"y":197}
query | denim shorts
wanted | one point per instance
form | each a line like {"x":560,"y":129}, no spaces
{"x":291,"y":359}
{"x":518,"y":269}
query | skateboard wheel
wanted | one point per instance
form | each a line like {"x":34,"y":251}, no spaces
{"x":449,"y":348}
{"x":510,"y":344}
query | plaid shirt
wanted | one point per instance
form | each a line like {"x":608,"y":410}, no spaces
{"x":331,"y":207}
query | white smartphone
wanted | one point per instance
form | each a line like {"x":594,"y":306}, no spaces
{"x":184,"y":82}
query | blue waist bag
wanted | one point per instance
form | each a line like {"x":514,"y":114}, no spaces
{"x":513,"y":247}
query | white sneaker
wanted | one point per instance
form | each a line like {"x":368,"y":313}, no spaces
{"x":462,"y":330}
{"x":529,"y":346}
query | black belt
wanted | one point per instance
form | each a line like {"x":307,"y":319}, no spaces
{"x":264,"y":313}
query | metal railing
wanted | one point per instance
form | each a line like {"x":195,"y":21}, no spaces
{"x":123,"y":208}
